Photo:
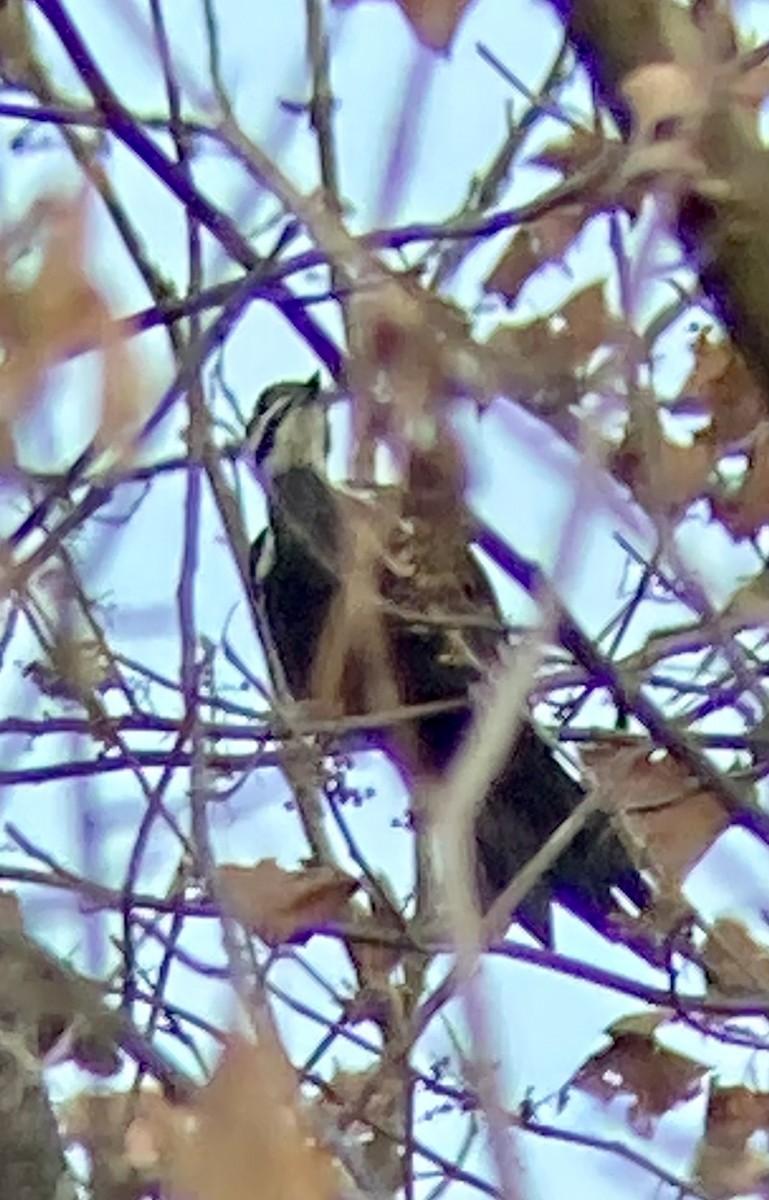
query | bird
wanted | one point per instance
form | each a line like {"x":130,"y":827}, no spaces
{"x":297,"y":571}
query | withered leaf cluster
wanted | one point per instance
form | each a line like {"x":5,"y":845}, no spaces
{"x":246,"y":1130}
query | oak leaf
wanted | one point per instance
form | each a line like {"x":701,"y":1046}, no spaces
{"x":665,"y":815}
{"x":735,"y":961}
{"x":545,"y":240}
{"x":555,"y":346}
{"x":406,"y":348}
{"x":56,"y":314}
{"x":726,"y":1164}
{"x":636,"y":1064}
{"x":435,"y":22}
{"x":100,"y":1122}
{"x":720,"y":379}
{"x":663,"y":475}
{"x":244,"y":1134}
{"x":581,"y":148}
{"x":375,"y":962}
{"x":523,"y":257}
{"x":747,"y":510}
{"x":734,"y":1115}
{"x":586,"y":322}
{"x":722,"y":1173}
{"x":280,"y":905}
{"x":749,"y":604}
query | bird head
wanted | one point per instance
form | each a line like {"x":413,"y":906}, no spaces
{"x":289,"y":427}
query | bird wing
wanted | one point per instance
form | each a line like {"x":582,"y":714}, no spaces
{"x":438,"y":627}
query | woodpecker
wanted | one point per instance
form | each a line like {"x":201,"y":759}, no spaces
{"x":297,"y":575}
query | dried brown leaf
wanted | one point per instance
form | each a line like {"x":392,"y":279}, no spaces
{"x":63,"y":308}
{"x":521,"y":259}
{"x":543,"y":241}
{"x":749,"y":604}
{"x":721,"y":380}
{"x":640,"y":1024}
{"x":662,"y":475}
{"x":734,"y":1115}
{"x":122,"y":407}
{"x":57,"y":314}
{"x":636,"y":1064}
{"x":529,"y":343}
{"x":667,"y":818}
{"x":42,"y":999}
{"x":554,"y":347}
{"x":102,"y":1124}
{"x":405,"y":347}
{"x":435,"y":22}
{"x":736,"y":962}
{"x":281,"y":905}
{"x":94,"y":1118}
{"x":587,"y":321}
{"x":581,"y":148}
{"x":725,"y":1164}
{"x":375,"y":963}
{"x":722,"y":1173}
{"x":745,"y":512}
{"x":244,"y":1134}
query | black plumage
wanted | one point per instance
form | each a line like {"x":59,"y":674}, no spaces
{"x":296,"y":566}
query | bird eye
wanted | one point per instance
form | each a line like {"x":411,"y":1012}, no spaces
{"x":261,"y":431}
{"x":265,"y":430}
